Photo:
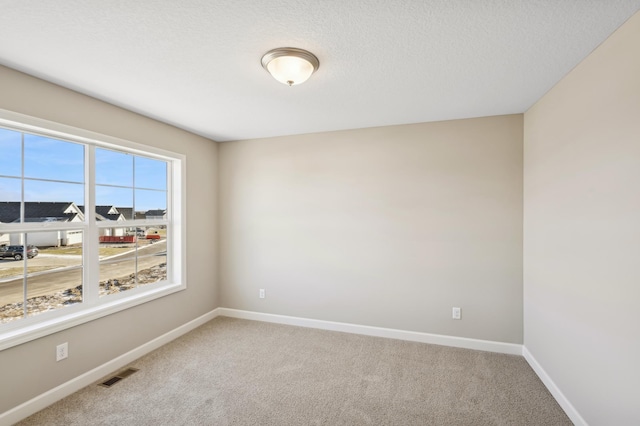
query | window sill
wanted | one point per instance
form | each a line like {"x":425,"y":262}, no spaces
{"x":63,"y":321}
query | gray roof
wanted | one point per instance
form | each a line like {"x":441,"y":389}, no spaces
{"x":43,"y":211}
{"x":36,"y":211}
{"x":127,"y":212}
{"x":9,"y":211}
{"x":104,"y":212}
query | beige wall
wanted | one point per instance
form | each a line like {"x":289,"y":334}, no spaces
{"x":30,"y":369}
{"x":582,"y":232}
{"x":387,"y":227}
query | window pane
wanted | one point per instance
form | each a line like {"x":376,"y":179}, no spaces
{"x":117,"y":260}
{"x":11,"y":277}
{"x":49,"y":193}
{"x":10,"y":189}
{"x":109,"y":199}
{"x":150,"y":173}
{"x":154,"y":203}
{"x":117,"y":276}
{"x":57,"y":249}
{"x":11,"y":149}
{"x":54,"y":274}
{"x":152,"y":256}
{"x":46,"y":158}
{"x":53,"y":290}
{"x":114,"y":168}
{"x":130,"y":260}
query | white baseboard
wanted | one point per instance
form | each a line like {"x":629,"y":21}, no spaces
{"x":568,"y":408}
{"x":414,"y":336}
{"x":41,"y":401}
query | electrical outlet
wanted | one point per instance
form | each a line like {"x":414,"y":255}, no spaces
{"x":262,"y":293}
{"x":456,"y":314}
{"x":62,"y":351}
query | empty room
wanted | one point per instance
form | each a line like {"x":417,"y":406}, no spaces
{"x":373,"y":212}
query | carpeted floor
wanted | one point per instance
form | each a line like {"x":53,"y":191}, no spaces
{"x":239,"y":372}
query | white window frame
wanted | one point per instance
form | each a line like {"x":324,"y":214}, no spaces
{"x":93,"y":306}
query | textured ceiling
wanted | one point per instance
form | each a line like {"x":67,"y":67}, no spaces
{"x":196,"y":63}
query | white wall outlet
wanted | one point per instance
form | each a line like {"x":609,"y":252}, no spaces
{"x":456,"y":313}
{"x":262,"y":293}
{"x":62,"y":351}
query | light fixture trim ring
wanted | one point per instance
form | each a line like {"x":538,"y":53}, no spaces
{"x":290,"y":51}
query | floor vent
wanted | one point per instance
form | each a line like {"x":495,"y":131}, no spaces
{"x":115,"y":379}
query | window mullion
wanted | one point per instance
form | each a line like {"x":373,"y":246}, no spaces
{"x":23,"y":237}
{"x":171,"y":208}
{"x":91,"y":244}
{"x":22,"y":178}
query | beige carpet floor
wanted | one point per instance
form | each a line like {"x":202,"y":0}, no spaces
{"x":239,"y":372}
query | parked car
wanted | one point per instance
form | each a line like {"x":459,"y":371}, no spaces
{"x":17,"y":252}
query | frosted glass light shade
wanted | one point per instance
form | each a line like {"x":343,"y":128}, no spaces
{"x":290,"y":70}
{"x":289,"y":65}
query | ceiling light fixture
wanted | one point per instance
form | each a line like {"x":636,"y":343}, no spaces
{"x":289,"y":65}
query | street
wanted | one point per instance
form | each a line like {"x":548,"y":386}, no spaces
{"x":50,"y":282}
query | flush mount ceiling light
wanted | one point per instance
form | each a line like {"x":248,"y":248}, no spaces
{"x":289,"y":65}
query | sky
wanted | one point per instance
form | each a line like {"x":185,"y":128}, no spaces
{"x":54,"y":171}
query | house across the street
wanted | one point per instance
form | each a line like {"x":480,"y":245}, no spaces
{"x":156,"y":214}
{"x":36,"y":211}
{"x":63,"y":212}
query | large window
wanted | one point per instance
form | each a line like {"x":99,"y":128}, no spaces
{"x":88,"y":225}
